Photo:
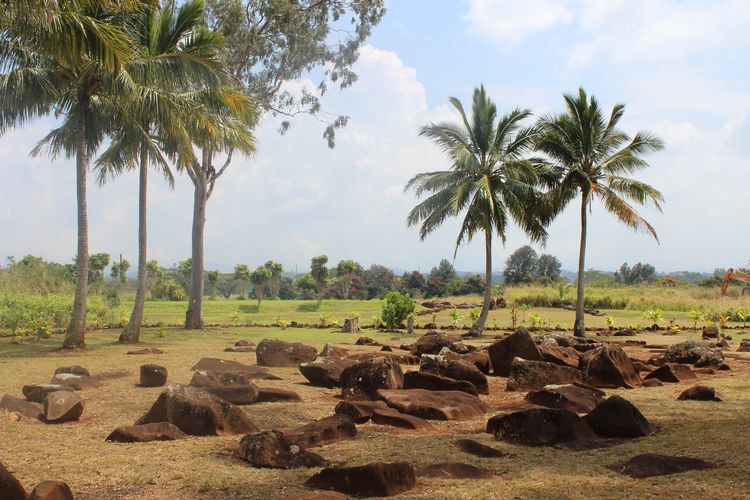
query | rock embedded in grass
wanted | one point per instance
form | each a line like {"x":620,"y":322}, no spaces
{"x":332,"y":351}
{"x":153,"y":375}
{"x":654,"y":464}
{"x":478,"y":358}
{"x":672,"y":373}
{"x":541,"y":427}
{"x":618,"y":418}
{"x":155,"y":431}
{"x":326,"y":430}
{"x":434,"y":342}
{"x":394,"y":418}
{"x":62,"y":406}
{"x":274,"y":395}
{"x":434,"y":405}
{"x":359,"y":411}
{"x":609,"y":366}
{"x":363,"y":380}
{"x":216,"y":365}
{"x":51,"y":490}
{"x":478,"y":449}
{"x":278,"y":353}
{"x":38,"y":392}
{"x":22,"y":407}
{"x":520,"y":344}
{"x":700,"y":393}
{"x":146,"y":350}
{"x":272,"y":449}
{"x":74,"y":382}
{"x":75,"y":370}
{"x":433,"y":382}
{"x":326,"y":372}
{"x":535,"y":375}
{"x":577,"y":398}
{"x":378,"y":479}
{"x":10,"y":487}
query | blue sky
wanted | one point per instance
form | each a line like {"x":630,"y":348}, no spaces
{"x":680,"y":66}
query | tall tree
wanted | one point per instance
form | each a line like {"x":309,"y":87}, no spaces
{"x":269,"y":44}
{"x":176,"y":53}
{"x":241,"y":277}
{"x":594,"y":157}
{"x":260,"y":278}
{"x":344,"y":273}
{"x":489,"y":180}
{"x":59,"y":59}
{"x":548,"y":267}
{"x":319,"y":272}
{"x":522,"y":266}
{"x":274,"y":284}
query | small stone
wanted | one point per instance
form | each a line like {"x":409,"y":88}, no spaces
{"x":377,"y":479}
{"x":153,"y":375}
{"x":51,"y":490}
{"x":700,"y":393}
{"x":62,"y":406}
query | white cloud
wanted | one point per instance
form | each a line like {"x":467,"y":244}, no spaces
{"x":511,"y":21}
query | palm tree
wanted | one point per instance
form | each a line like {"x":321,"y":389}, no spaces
{"x":176,"y":52}
{"x":489,"y":181}
{"x":593,"y":156}
{"x":60,"y":60}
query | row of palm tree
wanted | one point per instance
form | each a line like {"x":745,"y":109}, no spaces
{"x":495,"y":179}
{"x":149,"y":79}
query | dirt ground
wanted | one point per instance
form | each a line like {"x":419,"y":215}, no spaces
{"x":205,"y":467}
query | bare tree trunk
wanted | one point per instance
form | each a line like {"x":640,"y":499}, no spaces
{"x":194,"y":314}
{"x":478,"y":326}
{"x":579,"y":329}
{"x":75,"y":336}
{"x":319,"y":291}
{"x":132,"y":331}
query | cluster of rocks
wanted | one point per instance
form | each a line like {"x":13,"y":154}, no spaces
{"x":12,"y":489}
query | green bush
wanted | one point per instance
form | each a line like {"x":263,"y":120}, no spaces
{"x":396,"y":309}
{"x":168,"y":289}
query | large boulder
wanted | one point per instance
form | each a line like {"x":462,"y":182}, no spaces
{"x":74,"y":382}
{"x":217,"y":365}
{"x":700,"y":393}
{"x":577,"y":398}
{"x":22,"y":407}
{"x":541,"y":427}
{"x":435,"y":405}
{"x":62,"y":406}
{"x":156,"y":431}
{"x":377,"y":479}
{"x":534,"y":375}
{"x":672,"y":372}
{"x":326,"y":372}
{"x":654,"y":464}
{"x":37,"y":393}
{"x":153,"y":375}
{"x":463,"y":370}
{"x":518,"y":345}
{"x":75,"y":370}
{"x":362,"y":381}
{"x":273,"y":450}
{"x":275,"y":352}
{"x":330,"y":350}
{"x":478,"y":358}
{"x":700,"y":354}
{"x":51,"y":490}
{"x":229,"y":386}
{"x":609,"y":366}
{"x":434,"y":342}
{"x":197,"y":412}
{"x":618,"y":418}
{"x":359,"y":411}
{"x":564,"y":356}
{"x":10,"y":487}
{"x":326,"y":430}
{"x":433,"y":382}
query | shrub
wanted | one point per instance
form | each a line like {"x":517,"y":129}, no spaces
{"x":397,"y":308}
{"x":168,"y":289}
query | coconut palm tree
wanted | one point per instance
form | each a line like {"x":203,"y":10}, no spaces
{"x":593,"y":157}
{"x":490,"y":180}
{"x":175,"y":53}
{"x":59,"y":60}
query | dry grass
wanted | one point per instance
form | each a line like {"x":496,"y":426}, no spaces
{"x":204,"y":467}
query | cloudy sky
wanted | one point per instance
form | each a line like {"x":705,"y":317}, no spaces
{"x":680,"y":66}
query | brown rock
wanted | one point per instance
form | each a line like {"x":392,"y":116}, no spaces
{"x":577,"y":398}
{"x":609,"y":366}
{"x":51,"y":490}
{"x":540,"y":427}
{"x":710,"y":332}
{"x":394,"y":418}
{"x":227,"y":366}
{"x":672,"y":372}
{"x":10,"y":487}
{"x":244,"y":343}
{"x":156,"y":431}
{"x":153,"y":375}
{"x":207,"y":378}
{"x":700,"y":393}
{"x":377,"y":479}
{"x":24,"y":408}
{"x":273,"y":395}
{"x":563,"y":356}
{"x":359,"y":411}
{"x":240,"y":349}
{"x":75,"y":370}
{"x":642,"y":367}
{"x":332,"y":351}
{"x":652,"y":382}
{"x":534,"y":375}
{"x":62,"y":406}
{"x":432,"y":382}
{"x":434,"y":342}
{"x":275,"y":352}
{"x":478,"y":358}
{"x":654,"y":464}
{"x":618,"y":418}
{"x":146,"y":350}
{"x":245,"y":394}
{"x":326,"y":430}
{"x":454,"y":470}
{"x":37,"y":393}
{"x":478,"y":449}
{"x":325,"y":373}
{"x":73,"y":382}
{"x":197,"y":412}
{"x":519,"y":344}
{"x":462,"y":370}
{"x":324,"y":495}
{"x":362,"y":381}
{"x":402,"y":359}
{"x":273,"y":450}
{"x":434,"y":405}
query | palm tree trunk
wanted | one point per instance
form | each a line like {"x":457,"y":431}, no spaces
{"x":194,"y":314}
{"x":579,"y":329}
{"x":478,"y":326}
{"x":75,"y":335}
{"x":132,"y":331}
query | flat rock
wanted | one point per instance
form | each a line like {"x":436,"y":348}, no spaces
{"x":642,"y":367}
{"x":654,"y":464}
{"x":51,"y":490}
{"x":463,"y":370}
{"x":700,"y":393}
{"x":454,"y":470}
{"x":363,"y":380}
{"x":146,"y":350}
{"x":402,"y":359}
{"x":272,"y":449}
{"x":153,"y":375}
{"x":330,"y":350}
{"x":577,"y":398}
{"x":197,"y":412}
{"x":74,"y":382}
{"x":609,"y":366}
{"x":478,"y":449}
{"x":517,"y":345}
{"x":672,"y":372}
{"x":618,"y":418}
{"x":38,"y":392}
{"x":652,"y":382}
{"x":240,"y":349}
{"x":62,"y":406}
{"x":75,"y":370}
{"x":564,"y":356}
{"x":359,"y":411}
{"x":367,"y":341}
{"x":274,"y":395}
{"x":275,"y":352}
{"x":434,"y":342}
{"x":394,"y":418}
{"x":244,"y":343}
{"x":228,"y":366}
{"x":478,"y":358}
{"x":10,"y":487}
{"x":535,"y":375}
{"x":326,"y":430}
{"x":240,"y":394}
{"x":540,"y":427}
{"x":326,"y":372}
{"x":434,"y":405}
{"x":432,"y":382}
{"x":22,"y":407}
{"x":378,"y":479}
{"x":156,"y":431}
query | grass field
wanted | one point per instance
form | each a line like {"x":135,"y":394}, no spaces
{"x":205,"y":468}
